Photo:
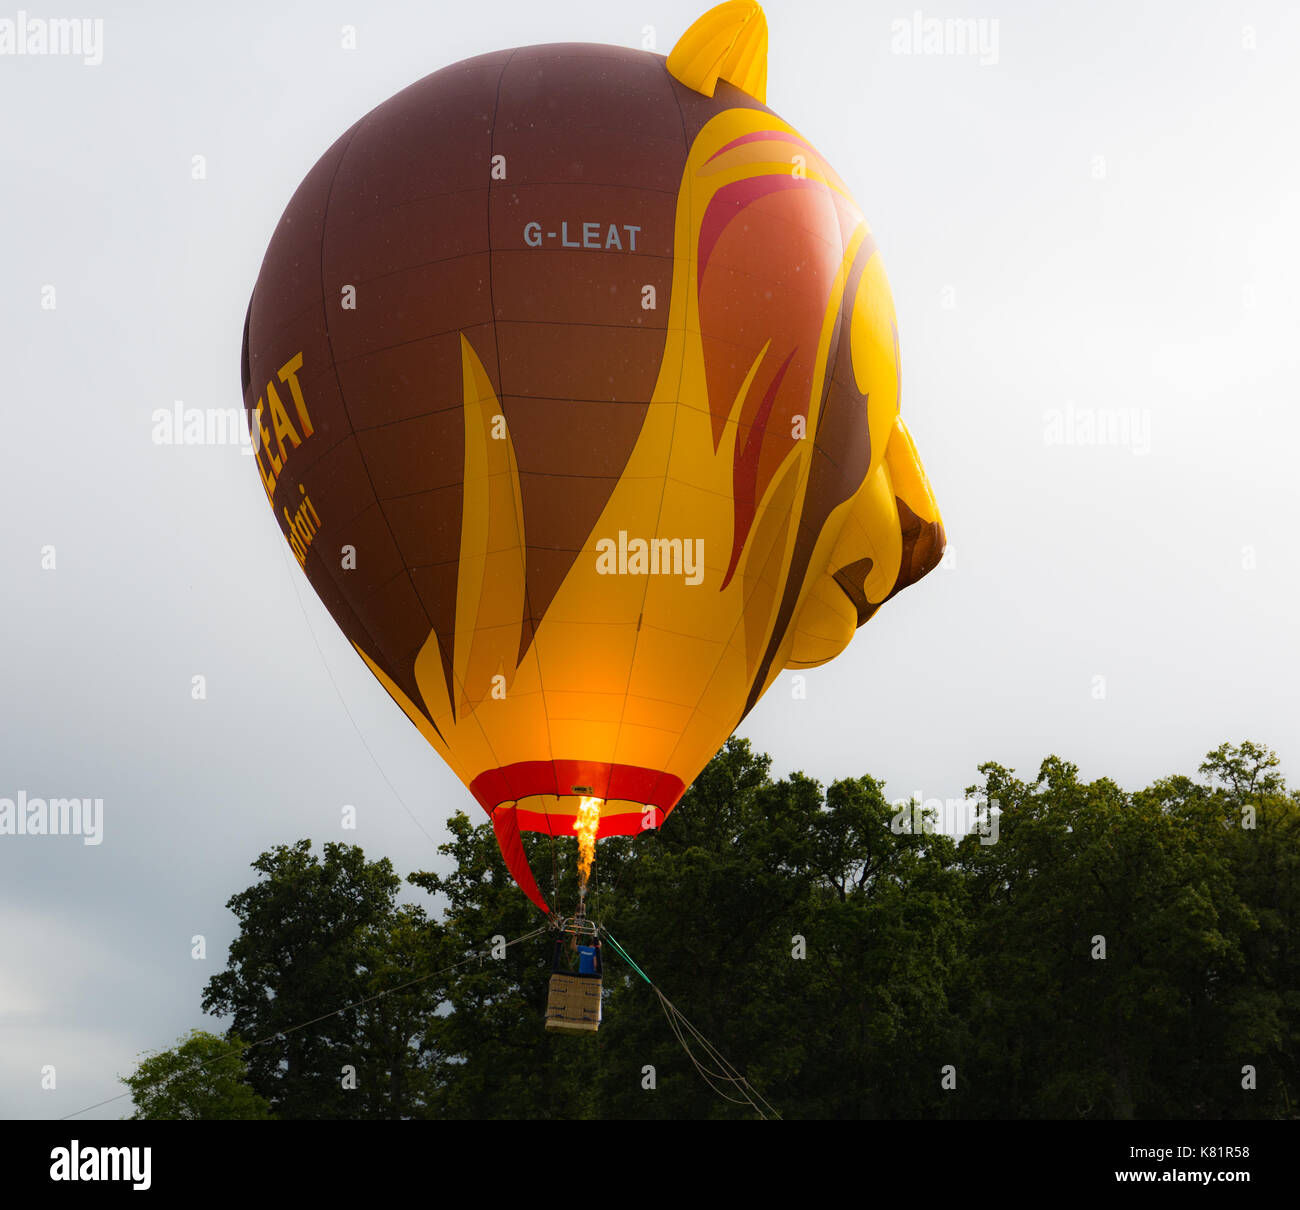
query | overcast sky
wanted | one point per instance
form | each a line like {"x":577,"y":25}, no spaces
{"x":1090,"y":220}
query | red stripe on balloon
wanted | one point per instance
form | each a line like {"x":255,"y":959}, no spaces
{"x":729,"y":201}
{"x":631,"y":823}
{"x":506,"y":826}
{"x":761,"y":136}
{"x":745,"y":474}
{"x":525,"y":778}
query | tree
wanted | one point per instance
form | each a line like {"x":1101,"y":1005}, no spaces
{"x":1117,"y":967}
{"x":202,"y":1079}
{"x":495,"y":1059}
{"x":794,"y":928}
{"x":1114,"y":954}
{"x":1255,"y":824}
{"x":316,"y":936}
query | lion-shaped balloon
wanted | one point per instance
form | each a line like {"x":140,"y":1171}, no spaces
{"x":573,"y":379}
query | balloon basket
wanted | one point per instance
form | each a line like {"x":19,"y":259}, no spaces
{"x":573,"y":1004}
{"x":573,"y":1000}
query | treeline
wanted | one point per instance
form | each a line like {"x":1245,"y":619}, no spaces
{"x":1112,"y":954}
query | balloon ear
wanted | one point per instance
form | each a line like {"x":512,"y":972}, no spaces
{"x":728,"y":43}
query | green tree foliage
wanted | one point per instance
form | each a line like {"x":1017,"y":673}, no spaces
{"x":201,"y":1079}
{"x":1189,"y":891}
{"x":840,"y":956}
{"x":316,"y":935}
{"x":715,"y":910}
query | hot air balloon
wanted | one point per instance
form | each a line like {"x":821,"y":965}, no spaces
{"x":573,"y":379}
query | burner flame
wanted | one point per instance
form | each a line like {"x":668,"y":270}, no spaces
{"x":586,"y":824}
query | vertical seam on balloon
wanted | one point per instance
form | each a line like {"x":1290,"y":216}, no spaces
{"x":329,"y":345}
{"x":455,"y":685}
{"x":740,"y":622}
{"x":856,"y":243}
{"x":515,"y":484}
{"x":361,"y":453}
{"x":695,"y":710}
{"x":672,"y":436}
{"x":795,"y":517}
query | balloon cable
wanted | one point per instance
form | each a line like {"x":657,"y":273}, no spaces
{"x":722,"y":1072}
{"x":293,"y":580}
{"x":476,"y":956}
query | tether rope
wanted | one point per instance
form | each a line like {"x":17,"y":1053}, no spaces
{"x":477,"y":956}
{"x":726,"y":1073}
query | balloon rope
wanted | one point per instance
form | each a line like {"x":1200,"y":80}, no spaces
{"x":293,"y":580}
{"x":477,"y":956}
{"x":625,"y":956}
{"x":723,"y":1072}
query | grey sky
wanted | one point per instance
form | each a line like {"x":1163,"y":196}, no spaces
{"x":1102,"y":220}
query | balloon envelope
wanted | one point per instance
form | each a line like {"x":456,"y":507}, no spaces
{"x":573,"y":378}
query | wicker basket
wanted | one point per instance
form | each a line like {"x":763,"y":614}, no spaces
{"x":573,"y":1004}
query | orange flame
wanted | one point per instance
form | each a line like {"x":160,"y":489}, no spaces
{"x":585,"y":825}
